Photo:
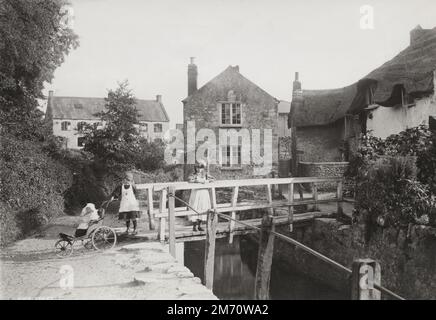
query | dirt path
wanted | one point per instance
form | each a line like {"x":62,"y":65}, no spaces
{"x":31,"y":270}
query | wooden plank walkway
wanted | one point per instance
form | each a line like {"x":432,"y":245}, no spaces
{"x":185,"y":233}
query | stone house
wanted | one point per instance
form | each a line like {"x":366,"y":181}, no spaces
{"x":68,"y":115}
{"x":230,"y":103}
{"x":321,"y":121}
{"x":396,"y":96}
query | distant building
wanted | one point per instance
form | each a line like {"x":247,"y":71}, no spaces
{"x":68,"y":115}
{"x":398,"y":95}
{"x":230,"y":101}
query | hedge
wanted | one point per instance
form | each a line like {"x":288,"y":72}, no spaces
{"x":31,"y":189}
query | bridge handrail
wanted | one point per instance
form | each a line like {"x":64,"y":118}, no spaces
{"x":299,"y":245}
{"x":184,"y":185}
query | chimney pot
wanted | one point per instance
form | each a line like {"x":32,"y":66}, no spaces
{"x":296,"y":76}
{"x":159,"y":98}
{"x":192,"y":60}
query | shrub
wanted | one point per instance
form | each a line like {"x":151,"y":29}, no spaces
{"x":418,"y":142}
{"x":388,"y":190}
{"x":32,"y":187}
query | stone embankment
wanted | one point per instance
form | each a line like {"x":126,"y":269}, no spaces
{"x":30,"y":270}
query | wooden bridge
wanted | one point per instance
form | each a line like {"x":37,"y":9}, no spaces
{"x":268,"y":187}
{"x":365,"y":274}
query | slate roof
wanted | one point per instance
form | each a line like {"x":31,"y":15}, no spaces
{"x":79,"y":108}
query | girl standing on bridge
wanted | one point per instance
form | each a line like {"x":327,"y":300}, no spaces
{"x":200,"y":198}
{"x":129,"y":206}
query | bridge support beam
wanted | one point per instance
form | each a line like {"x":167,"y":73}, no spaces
{"x":209,"y":254}
{"x":172,"y":220}
{"x":366,"y":274}
{"x":264,"y":259}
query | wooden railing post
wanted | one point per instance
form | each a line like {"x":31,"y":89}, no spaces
{"x":151,"y":222}
{"x":209,"y":254}
{"x":172,"y":220}
{"x":315,"y":196}
{"x":366,"y":274}
{"x":233,"y":214}
{"x":264,"y":259}
{"x":339,"y":196}
{"x":162,"y":208}
{"x":270,"y":199}
{"x":291,"y":207}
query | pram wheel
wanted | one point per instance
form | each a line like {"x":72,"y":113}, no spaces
{"x":104,"y":238}
{"x":64,"y":248}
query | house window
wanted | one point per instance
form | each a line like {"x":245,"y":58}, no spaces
{"x":65,"y":125}
{"x":231,"y":156}
{"x":81,"y":126}
{"x":158,"y":127}
{"x":143,"y":127}
{"x":81,"y":141}
{"x":231,"y":113}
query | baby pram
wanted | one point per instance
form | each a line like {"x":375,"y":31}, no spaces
{"x":96,"y":235}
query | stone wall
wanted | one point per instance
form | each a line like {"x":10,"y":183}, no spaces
{"x":323,"y":169}
{"x":407,"y":258}
{"x":320,"y":143}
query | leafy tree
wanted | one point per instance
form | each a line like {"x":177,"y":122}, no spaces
{"x":114,"y":143}
{"x":33,"y":43}
{"x":118,"y":144}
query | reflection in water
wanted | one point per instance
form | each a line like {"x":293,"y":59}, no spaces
{"x":235,"y":270}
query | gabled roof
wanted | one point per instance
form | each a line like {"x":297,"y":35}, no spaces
{"x":229,"y":75}
{"x":322,"y":107}
{"x":78,"y":108}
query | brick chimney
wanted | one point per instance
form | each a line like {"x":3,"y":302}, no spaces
{"x":416,"y":33}
{"x":49,"y":110}
{"x":192,"y":77}
{"x":159,"y":98}
{"x":296,"y":86}
{"x":297,"y":99}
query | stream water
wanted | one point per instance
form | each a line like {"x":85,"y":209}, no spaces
{"x":235,"y":269}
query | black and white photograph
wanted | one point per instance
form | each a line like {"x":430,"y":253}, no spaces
{"x":235,"y":152}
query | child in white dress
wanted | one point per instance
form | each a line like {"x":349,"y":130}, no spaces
{"x":129,"y":205}
{"x":200,"y":198}
{"x":89,"y":215}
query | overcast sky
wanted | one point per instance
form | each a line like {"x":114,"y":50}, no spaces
{"x":149,"y":42}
